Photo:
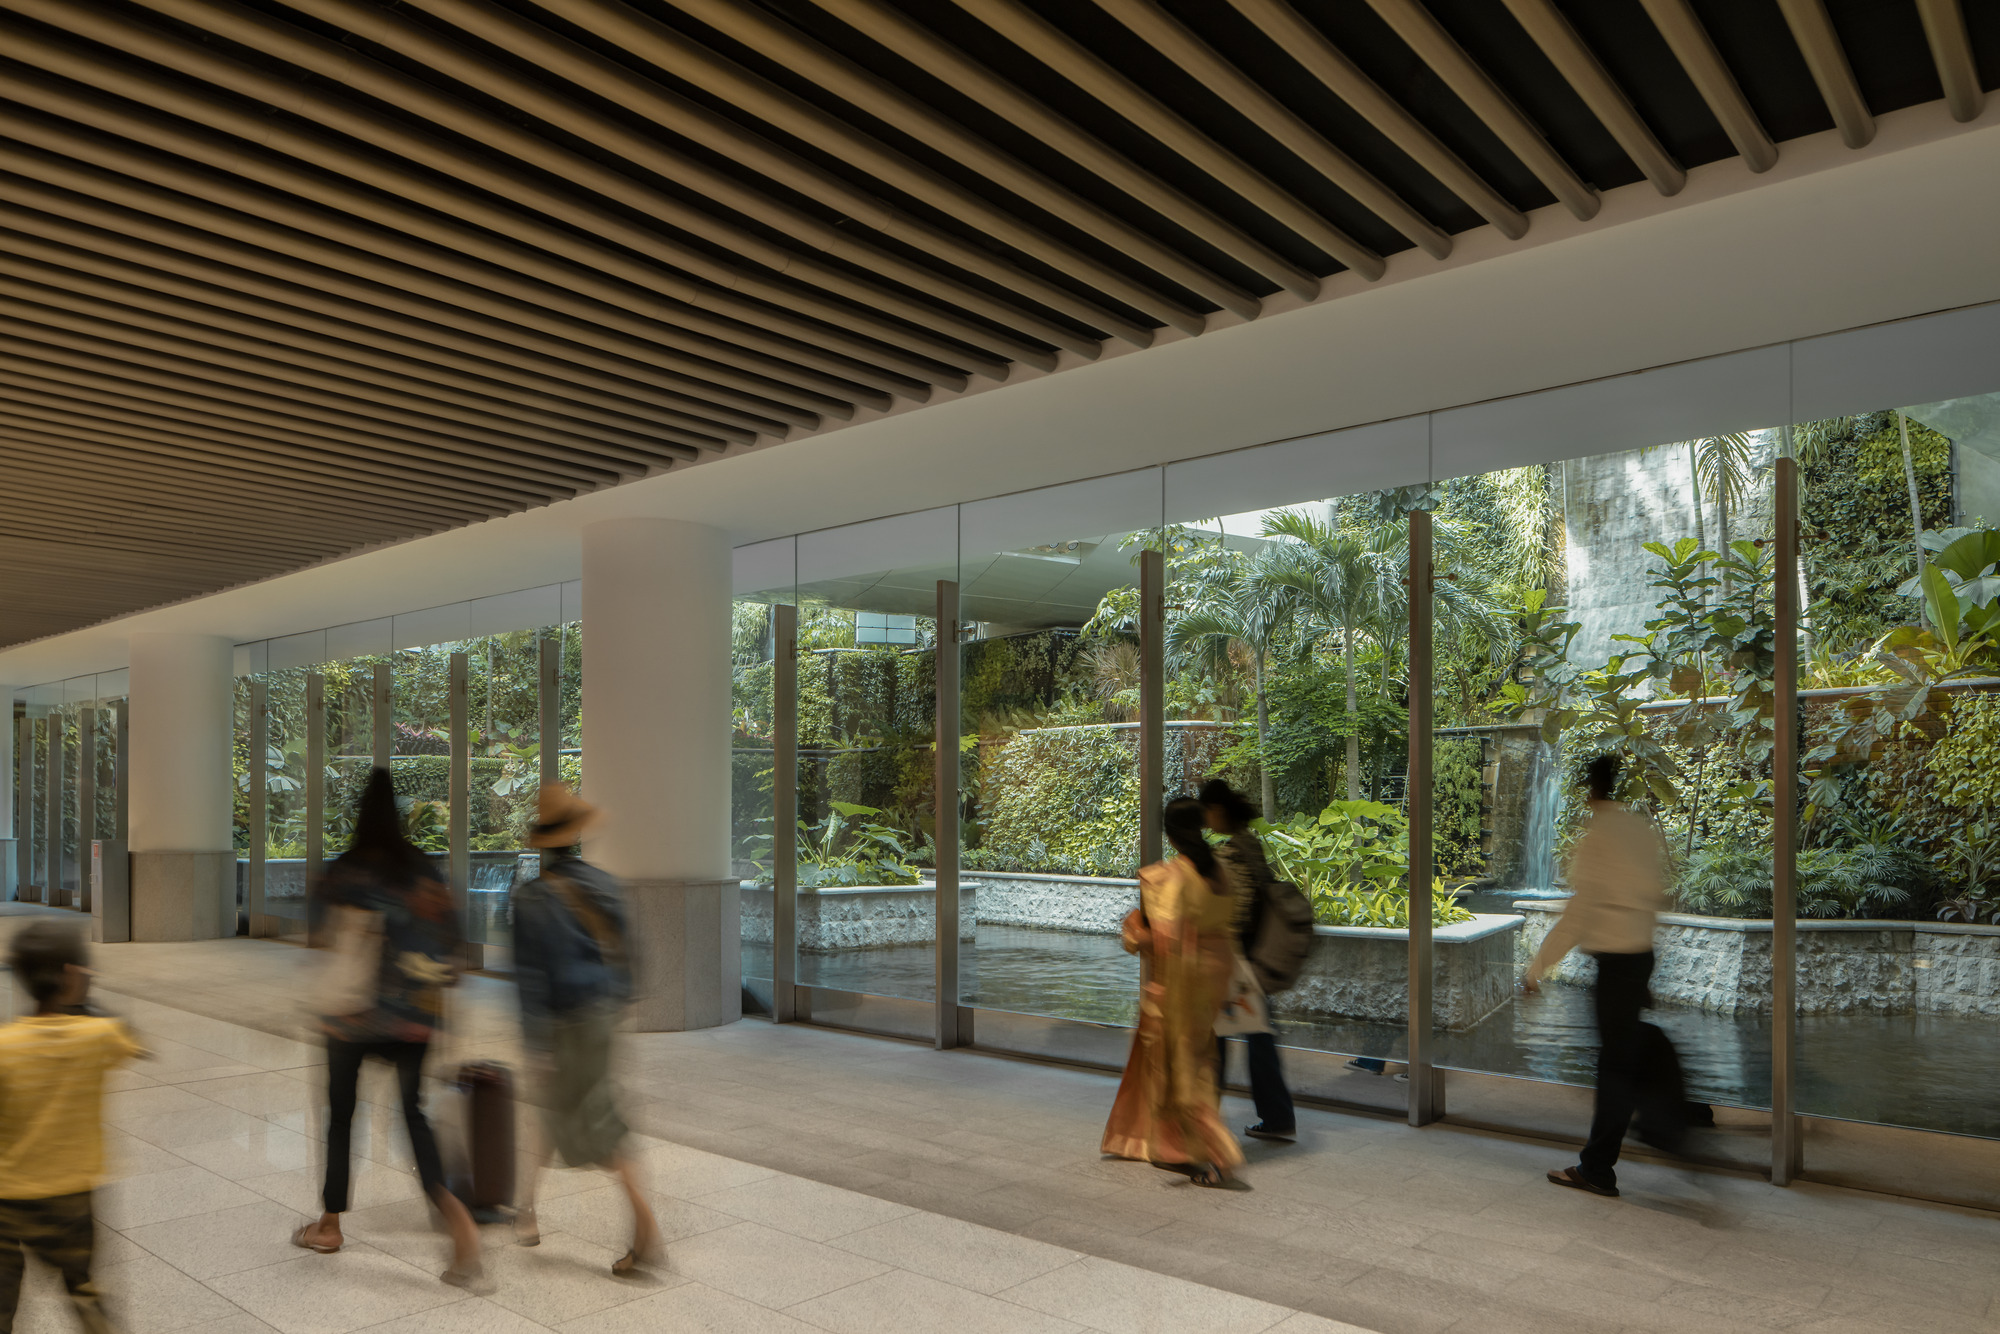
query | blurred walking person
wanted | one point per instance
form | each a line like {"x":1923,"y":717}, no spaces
{"x":392,"y":934}
{"x":1247,"y":872}
{"x":571,"y":964}
{"x":52,"y":1067}
{"x":1168,"y":1111}
{"x":1617,"y":885}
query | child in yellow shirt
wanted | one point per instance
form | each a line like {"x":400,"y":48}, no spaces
{"x":52,"y":1067}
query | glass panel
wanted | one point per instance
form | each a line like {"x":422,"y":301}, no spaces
{"x":285,"y":786}
{"x":503,"y":675}
{"x":1286,"y":620}
{"x":350,"y":744}
{"x":1049,"y":703}
{"x":1899,"y":861}
{"x":420,"y":746}
{"x":1616,"y":603}
{"x":752,"y":775}
{"x":867,"y":715}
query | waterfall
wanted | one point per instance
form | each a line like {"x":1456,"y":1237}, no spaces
{"x":1538,"y":830}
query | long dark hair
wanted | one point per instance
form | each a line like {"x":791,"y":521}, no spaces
{"x":1236,"y":808}
{"x":379,"y":844}
{"x":1186,"y":827}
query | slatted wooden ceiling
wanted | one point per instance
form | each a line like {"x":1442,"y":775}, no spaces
{"x":279,"y":281}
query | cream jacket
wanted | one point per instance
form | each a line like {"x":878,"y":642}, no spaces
{"x":1617,"y":889}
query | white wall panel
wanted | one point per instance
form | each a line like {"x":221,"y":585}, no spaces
{"x":1954,"y":354}
{"x":1290,"y":472}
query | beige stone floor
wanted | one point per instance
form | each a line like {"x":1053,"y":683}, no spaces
{"x":817,"y":1179}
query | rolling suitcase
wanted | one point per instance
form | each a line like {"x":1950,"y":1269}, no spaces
{"x":487,"y":1186}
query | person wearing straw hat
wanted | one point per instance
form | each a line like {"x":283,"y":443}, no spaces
{"x":574,"y":974}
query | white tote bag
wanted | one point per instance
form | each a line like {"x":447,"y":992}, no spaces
{"x":352,"y":971}
{"x":1244,"y":1012}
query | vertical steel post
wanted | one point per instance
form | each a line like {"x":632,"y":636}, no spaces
{"x":1787,"y":1156}
{"x":946,"y":749}
{"x":1152,"y":704}
{"x":52,"y":892}
{"x":86,"y":803}
{"x":24,"y":796}
{"x":1426,"y":1087}
{"x":121,"y":772}
{"x":784,"y":813}
{"x":460,"y":835}
{"x":549,"y":702}
{"x":260,"y":806}
{"x":384,"y":715}
{"x":315,"y":778}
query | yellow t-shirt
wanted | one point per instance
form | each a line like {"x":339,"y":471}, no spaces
{"x":52,"y":1102}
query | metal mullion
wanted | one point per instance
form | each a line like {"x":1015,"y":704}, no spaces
{"x":260,"y":804}
{"x":495,"y":336}
{"x":244,"y":513}
{"x":24,"y":790}
{"x":142,"y":459}
{"x":315,"y":778}
{"x":110,"y":429}
{"x":285,"y":344}
{"x":86,"y":804}
{"x":1426,"y":1086}
{"x":1152,"y":705}
{"x":287,"y":380}
{"x":127,"y":267}
{"x":944,"y":751}
{"x":459,"y":833}
{"x":1787,"y":1148}
{"x":382,"y":716}
{"x":243,"y":404}
{"x":77,"y":390}
{"x":54,"y":778}
{"x":548,"y":710}
{"x":784,"y":814}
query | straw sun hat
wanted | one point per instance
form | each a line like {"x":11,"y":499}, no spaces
{"x":561,"y":818}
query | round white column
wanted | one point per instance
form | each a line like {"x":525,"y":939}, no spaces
{"x":656,"y":704}
{"x":183,"y":882}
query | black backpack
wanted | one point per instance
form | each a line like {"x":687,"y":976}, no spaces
{"x":1284,"y":937}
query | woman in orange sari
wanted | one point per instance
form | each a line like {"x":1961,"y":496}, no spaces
{"x":1168,"y":1111}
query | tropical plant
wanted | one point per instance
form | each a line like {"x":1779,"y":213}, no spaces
{"x":848,"y":847}
{"x":1242,"y":611}
{"x":1349,"y":843}
{"x":1735,"y":880}
{"x":1970,"y":861}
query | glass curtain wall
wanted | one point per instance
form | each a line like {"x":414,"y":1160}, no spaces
{"x":1049,"y":718}
{"x":1618,"y":602}
{"x":1899,"y":730}
{"x":867,"y":598}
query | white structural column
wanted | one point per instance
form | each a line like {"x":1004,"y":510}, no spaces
{"x":656,"y":759}
{"x":183,"y":882}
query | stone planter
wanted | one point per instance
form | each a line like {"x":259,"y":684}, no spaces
{"x":1362,"y":972}
{"x":1091,"y":905}
{"x":1723,"y":964}
{"x":859,"y":917}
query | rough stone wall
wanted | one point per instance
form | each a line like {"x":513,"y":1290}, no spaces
{"x":1615,"y":503}
{"x":1507,"y":817}
{"x":1055,"y":903}
{"x":831,"y":922}
{"x":1844,"y":968}
{"x":1356,"y":976}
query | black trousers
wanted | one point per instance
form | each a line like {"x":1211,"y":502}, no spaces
{"x":1637,"y":1071}
{"x":343,"y":1077}
{"x":59,"y":1230}
{"x":1267,"y":1079}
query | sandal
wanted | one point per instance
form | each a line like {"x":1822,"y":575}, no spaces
{"x":635,"y":1263}
{"x":464,"y":1278}
{"x":1208,"y":1175}
{"x":303,"y":1240}
{"x":527,"y":1228}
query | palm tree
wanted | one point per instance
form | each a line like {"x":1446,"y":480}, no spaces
{"x":1721,"y":465}
{"x":1240,"y":611}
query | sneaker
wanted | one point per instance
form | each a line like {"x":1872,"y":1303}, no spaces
{"x":1366,"y":1065}
{"x":1262,"y":1131}
{"x":1575,"y":1179}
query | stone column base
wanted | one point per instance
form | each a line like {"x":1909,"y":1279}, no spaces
{"x":183,"y":895}
{"x":685,"y":939}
